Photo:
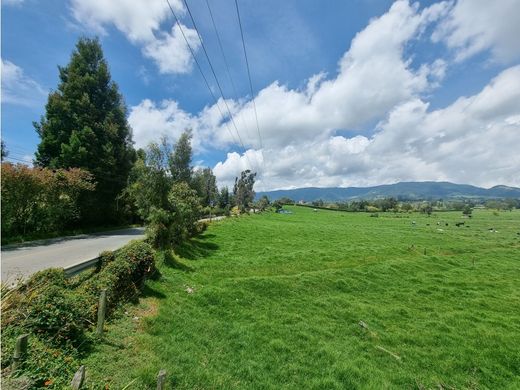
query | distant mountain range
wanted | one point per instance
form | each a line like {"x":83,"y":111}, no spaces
{"x":404,"y":190}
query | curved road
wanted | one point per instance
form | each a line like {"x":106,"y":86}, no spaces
{"x":25,"y":259}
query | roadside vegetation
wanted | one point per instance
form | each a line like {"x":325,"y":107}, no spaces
{"x":59,"y":313}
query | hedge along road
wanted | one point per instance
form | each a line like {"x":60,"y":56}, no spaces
{"x":26,"y":259}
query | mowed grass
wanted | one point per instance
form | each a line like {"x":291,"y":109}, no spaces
{"x":277,"y":300}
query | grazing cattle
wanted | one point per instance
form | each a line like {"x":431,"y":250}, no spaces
{"x":459,"y":224}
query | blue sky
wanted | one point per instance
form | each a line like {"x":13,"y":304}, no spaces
{"x":396,"y":95}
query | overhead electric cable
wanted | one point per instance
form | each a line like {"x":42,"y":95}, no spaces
{"x":250,"y":85}
{"x":216,"y":80}
{"x":204,"y":77}
{"x":16,"y":159}
{"x":222,"y":51}
{"x":249,"y":75}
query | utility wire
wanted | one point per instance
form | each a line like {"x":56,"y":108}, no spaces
{"x":222,"y":51}
{"x":250,"y":83}
{"x":17,"y":159}
{"x":204,"y":77}
{"x":226,"y":63}
{"x":249,"y":74}
{"x":216,"y":79}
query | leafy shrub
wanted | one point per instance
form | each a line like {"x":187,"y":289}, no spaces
{"x":121,"y":277}
{"x":200,"y":227}
{"x":159,"y":230}
{"x":105,"y":258}
{"x":187,"y":209}
{"x":57,"y":314}
{"x":17,"y":302}
{"x":39,"y":200}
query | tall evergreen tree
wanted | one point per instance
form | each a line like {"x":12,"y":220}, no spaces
{"x":85,"y":126}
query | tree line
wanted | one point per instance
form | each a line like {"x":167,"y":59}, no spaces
{"x":87,"y":172}
{"x":395,"y":205}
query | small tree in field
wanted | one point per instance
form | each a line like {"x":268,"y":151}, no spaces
{"x":263,"y":203}
{"x":277,"y":205}
{"x":243,"y":190}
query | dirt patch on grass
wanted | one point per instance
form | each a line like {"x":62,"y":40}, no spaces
{"x":148,"y":307}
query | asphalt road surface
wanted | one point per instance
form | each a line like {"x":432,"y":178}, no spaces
{"x":24,"y":260}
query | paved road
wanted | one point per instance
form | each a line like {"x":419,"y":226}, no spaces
{"x":22,"y":261}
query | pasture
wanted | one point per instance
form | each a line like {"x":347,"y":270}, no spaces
{"x":328,"y":300}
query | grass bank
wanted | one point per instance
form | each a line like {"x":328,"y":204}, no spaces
{"x":275,"y":301}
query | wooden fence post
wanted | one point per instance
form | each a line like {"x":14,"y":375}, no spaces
{"x":102,"y":307}
{"x":20,"y":350}
{"x":161,"y":380}
{"x":79,"y":378}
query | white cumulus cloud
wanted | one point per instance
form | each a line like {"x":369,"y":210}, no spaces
{"x":474,"y":140}
{"x":140,"y":21}
{"x":305,"y":131}
{"x":20,"y":89}
{"x":476,"y":25}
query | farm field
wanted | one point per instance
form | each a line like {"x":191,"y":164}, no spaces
{"x":275,"y":301}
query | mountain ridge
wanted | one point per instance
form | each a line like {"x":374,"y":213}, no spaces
{"x":423,"y":190}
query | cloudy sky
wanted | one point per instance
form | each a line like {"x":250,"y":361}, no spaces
{"x":347,"y":93}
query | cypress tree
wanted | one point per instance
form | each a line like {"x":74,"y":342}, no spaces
{"x":85,"y":126}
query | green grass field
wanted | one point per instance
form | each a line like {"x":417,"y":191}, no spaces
{"x":277,"y":300}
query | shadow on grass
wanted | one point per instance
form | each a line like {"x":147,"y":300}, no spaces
{"x":205,"y":236}
{"x":150,"y":292}
{"x":170,"y":261}
{"x":196,"y":248}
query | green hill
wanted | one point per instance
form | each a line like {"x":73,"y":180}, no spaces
{"x":404,"y":190}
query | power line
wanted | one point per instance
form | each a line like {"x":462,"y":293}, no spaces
{"x":249,"y":74}
{"x":226,"y":63}
{"x":250,"y":83}
{"x":216,"y":80}
{"x":19,"y":149}
{"x":202,"y":73}
{"x":222,"y":50}
{"x":17,"y":159}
